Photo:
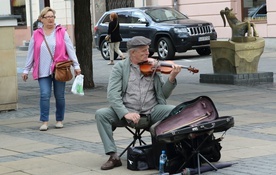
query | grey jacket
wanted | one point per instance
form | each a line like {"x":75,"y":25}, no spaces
{"x":118,"y":82}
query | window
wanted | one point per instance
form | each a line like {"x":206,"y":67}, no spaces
{"x":18,"y":8}
{"x":106,"y":19}
{"x":254,"y":10}
{"x":159,"y":15}
{"x":137,"y":17}
{"x":124,"y":17}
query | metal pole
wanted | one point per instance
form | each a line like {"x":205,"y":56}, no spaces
{"x":31,"y":17}
{"x":175,"y":4}
{"x":72,"y":20}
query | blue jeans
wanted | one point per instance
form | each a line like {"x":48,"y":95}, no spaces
{"x":45,"y":85}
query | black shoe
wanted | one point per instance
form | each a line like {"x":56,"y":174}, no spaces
{"x":111,"y":163}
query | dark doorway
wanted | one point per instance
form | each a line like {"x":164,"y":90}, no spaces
{"x":47,"y":3}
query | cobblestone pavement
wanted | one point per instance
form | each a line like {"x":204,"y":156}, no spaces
{"x":77,"y":148}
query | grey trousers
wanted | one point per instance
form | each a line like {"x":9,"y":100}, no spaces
{"x":107,"y":119}
{"x":114,"y":47}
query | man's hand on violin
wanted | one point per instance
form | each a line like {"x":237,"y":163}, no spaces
{"x":154,"y":62}
{"x":175,"y":70}
{"x":132,"y":117}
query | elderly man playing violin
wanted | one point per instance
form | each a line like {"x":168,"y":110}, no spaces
{"x":131,"y":95}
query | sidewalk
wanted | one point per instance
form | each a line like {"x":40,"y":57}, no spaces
{"x":77,"y":149}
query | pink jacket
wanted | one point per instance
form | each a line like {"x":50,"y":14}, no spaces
{"x":60,"y":49}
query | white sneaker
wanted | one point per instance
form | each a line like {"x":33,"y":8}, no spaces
{"x":59,"y":125}
{"x":43,"y":127}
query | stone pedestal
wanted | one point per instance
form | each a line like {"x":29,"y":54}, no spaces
{"x":8,"y":73}
{"x":238,"y":79}
{"x":236,"y":62}
{"x":237,"y":57}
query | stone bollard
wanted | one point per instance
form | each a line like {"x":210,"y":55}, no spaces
{"x":8,"y":72}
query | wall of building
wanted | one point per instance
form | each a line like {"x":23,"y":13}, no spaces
{"x":208,"y":10}
{"x":64,"y":14}
{"x":140,"y":3}
{"x":271,"y":20}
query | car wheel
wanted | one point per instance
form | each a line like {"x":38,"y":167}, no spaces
{"x":165,"y":49}
{"x":105,"y":51}
{"x":203,"y":51}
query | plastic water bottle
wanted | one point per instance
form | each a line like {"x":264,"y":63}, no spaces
{"x":186,"y":171}
{"x":162,"y":162}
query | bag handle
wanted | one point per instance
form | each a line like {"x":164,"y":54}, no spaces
{"x":48,"y":47}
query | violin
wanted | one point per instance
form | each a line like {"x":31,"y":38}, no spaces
{"x":165,"y":67}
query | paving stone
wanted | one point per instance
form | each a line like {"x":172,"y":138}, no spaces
{"x":77,"y":148}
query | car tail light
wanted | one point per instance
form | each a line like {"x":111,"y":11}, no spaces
{"x":95,"y":28}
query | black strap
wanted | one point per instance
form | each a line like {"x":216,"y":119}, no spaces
{"x":115,"y":27}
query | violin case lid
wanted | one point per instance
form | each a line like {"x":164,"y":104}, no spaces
{"x":194,"y":116}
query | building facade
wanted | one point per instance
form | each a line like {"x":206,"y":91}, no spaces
{"x":208,"y":10}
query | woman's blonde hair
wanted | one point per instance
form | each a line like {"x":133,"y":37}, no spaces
{"x":46,"y":10}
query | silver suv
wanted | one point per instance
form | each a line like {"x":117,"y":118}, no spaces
{"x":169,"y":30}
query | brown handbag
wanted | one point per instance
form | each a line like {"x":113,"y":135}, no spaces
{"x":63,"y":72}
{"x":62,"y":69}
{"x":107,"y":38}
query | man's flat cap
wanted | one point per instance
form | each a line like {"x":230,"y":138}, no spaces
{"x":138,"y":41}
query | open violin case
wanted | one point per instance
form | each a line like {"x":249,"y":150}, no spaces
{"x":187,"y":135}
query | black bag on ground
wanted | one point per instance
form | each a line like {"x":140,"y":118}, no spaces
{"x":188,"y":129}
{"x":180,"y":152}
{"x":140,"y":158}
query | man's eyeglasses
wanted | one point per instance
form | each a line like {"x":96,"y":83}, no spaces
{"x":49,"y":17}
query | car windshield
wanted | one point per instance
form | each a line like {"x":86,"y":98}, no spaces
{"x":165,"y":14}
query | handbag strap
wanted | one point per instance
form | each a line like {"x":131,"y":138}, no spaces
{"x":48,"y":47}
{"x":115,"y":27}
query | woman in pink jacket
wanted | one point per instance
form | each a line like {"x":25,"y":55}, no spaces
{"x":40,"y":60}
